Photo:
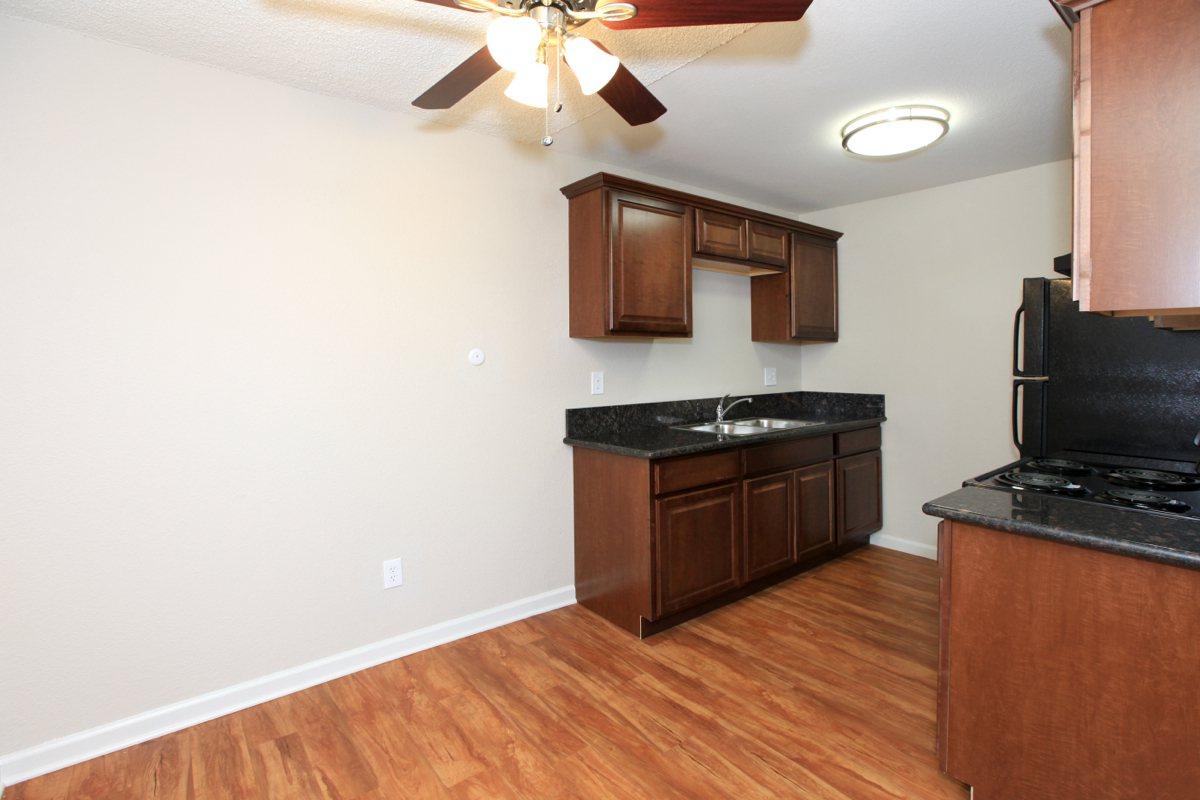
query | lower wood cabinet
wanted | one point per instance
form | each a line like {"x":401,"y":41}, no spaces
{"x":815,"y":507}
{"x":770,"y":523}
{"x":859,"y":496}
{"x":697,"y":548}
{"x":658,"y":541}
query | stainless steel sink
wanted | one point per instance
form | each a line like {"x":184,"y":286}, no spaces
{"x":747,"y":427}
{"x":776,"y":424}
{"x":725,"y":429}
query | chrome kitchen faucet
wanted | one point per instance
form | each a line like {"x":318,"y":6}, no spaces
{"x":723,"y":409}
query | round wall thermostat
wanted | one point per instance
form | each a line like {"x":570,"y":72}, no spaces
{"x":475,"y":357}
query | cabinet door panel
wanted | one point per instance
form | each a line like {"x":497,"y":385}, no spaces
{"x":814,"y":290}
{"x":721,"y":234}
{"x":697,"y":547}
{"x":768,"y":244}
{"x":859,"y":495}
{"x":815,"y":504}
{"x":651,"y":265}
{"x":770,"y":542}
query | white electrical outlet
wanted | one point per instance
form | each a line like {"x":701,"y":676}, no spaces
{"x":393,"y":574}
{"x":769,"y":376}
{"x":597,"y":383}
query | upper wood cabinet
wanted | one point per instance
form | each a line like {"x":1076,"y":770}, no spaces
{"x":633,"y":246}
{"x":650,"y":266}
{"x":722,"y":235}
{"x":631,"y":265}
{"x":800,"y":305}
{"x":1137,"y":176}
{"x":768,"y":244}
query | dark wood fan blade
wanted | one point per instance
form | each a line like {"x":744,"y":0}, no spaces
{"x":459,"y":82}
{"x":631,"y":99}
{"x":681,"y":13}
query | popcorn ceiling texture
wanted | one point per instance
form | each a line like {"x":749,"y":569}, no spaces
{"x":384,"y":52}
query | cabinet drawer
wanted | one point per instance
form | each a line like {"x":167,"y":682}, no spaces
{"x":769,"y":244}
{"x":785,"y":455}
{"x":859,"y":441}
{"x":721,"y":234}
{"x":689,"y":471}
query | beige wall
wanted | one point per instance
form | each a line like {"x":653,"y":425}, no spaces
{"x":929,"y":284}
{"x":234,"y":320}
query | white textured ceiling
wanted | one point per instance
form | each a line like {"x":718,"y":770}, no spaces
{"x":753,"y":111}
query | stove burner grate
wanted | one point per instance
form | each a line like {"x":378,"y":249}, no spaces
{"x":1153,"y":479}
{"x":1135,"y":498}
{"x":1041,"y":482}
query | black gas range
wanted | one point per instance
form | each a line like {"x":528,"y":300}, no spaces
{"x":1135,"y":487}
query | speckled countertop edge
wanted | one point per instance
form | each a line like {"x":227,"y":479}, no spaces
{"x":707,"y":442}
{"x":1114,"y":530}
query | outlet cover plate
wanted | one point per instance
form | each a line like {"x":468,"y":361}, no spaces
{"x":393,"y":574}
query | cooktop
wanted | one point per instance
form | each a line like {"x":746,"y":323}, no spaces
{"x":1150,"y":490}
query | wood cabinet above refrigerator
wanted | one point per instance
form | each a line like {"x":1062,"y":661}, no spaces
{"x":1136,"y":88}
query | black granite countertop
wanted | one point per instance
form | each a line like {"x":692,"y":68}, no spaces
{"x":1156,"y":537}
{"x":646,"y":430}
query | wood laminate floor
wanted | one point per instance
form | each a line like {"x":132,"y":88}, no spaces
{"x":821,"y":687}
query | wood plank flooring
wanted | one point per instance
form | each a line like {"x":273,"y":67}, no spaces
{"x":822,"y":687}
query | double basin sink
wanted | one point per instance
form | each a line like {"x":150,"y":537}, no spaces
{"x":747,"y":427}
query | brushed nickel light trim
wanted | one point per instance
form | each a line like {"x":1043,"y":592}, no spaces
{"x":586,"y":12}
{"x":894,"y":115}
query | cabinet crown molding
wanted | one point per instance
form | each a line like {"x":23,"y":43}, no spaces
{"x":610,"y":181}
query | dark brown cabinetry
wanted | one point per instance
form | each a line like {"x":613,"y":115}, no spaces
{"x":1136,"y":82}
{"x":859,"y":496}
{"x":633,"y":246}
{"x":697,"y":546}
{"x":631,"y":267}
{"x":815,"y":508}
{"x":1065,"y":672}
{"x":722,"y":235}
{"x":651,"y":266}
{"x":768,"y":244}
{"x":657,"y":541}
{"x":802,"y":304}
{"x":770,"y":523}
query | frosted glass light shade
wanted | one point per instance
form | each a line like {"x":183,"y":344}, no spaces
{"x":513,"y":41}
{"x":892,"y":131}
{"x":592,"y":66}
{"x":531,"y":85}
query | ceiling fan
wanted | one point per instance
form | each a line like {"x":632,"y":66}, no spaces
{"x":523,"y":34}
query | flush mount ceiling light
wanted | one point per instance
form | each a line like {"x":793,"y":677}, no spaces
{"x":896,"y":130}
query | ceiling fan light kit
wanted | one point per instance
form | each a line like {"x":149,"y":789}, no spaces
{"x":514,"y":41}
{"x":593,"y":67}
{"x":896,"y":130}
{"x":520,"y":37}
{"x":530,"y":86}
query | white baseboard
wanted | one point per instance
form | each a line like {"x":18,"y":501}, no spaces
{"x":905,"y":545}
{"x":79,"y":747}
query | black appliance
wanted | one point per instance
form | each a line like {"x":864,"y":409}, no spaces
{"x":1109,"y":390}
{"x":1155,"y":491}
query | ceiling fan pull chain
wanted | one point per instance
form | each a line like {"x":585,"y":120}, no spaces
{"x":558,"y":59}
